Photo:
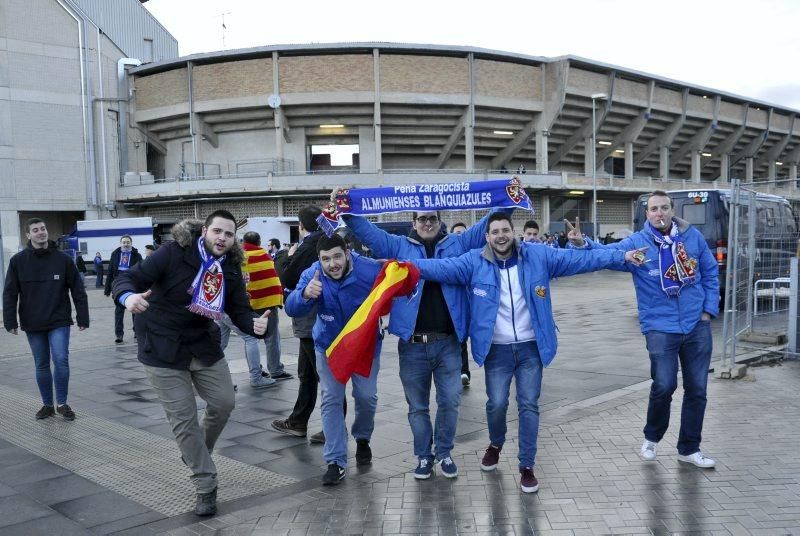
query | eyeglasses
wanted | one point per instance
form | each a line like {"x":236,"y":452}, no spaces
{"x":427,"y":219}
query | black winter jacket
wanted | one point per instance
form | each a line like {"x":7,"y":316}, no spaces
{"x":168,"y":334}
{"x":290,"y":269}
{"x":113,"y":266}
{"x":40,"y":281}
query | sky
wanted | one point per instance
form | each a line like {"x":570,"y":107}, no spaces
{"x":746,"y":47}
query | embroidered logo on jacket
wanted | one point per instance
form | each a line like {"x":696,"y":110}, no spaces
{"x":541,"y":291}
{"x":56,"y":277}
{"x":479,"y":292}
{"x":327,"y":318}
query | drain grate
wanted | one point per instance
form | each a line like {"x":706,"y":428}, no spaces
{"x":143,"y":467}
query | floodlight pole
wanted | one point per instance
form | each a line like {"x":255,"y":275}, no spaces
{"x":595,"y":96}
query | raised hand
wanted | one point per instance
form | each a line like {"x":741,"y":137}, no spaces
{"x":637,"y":256}
{"x":314,"y":288}
{"x":260,"y":323}
{"x":574,"y":234}
{"x":137,"y":303}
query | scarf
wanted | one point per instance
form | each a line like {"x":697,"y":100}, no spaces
{"x":124,"y":260}
{"x":208,"y":287}
{"x":674,"y":265}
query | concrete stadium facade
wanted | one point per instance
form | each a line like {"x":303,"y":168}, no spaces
{"x":211,"y":132}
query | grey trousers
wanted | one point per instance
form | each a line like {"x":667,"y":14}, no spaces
{"x":195,"y":438}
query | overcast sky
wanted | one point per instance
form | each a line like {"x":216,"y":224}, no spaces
{"x":746,"y":47}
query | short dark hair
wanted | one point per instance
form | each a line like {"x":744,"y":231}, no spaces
{"x":414,"y":214}
{"x":221,"y":213}
{"x":252,"y":237}
{"x":659,"y":193}
{"x":129,"y":237}
{"x":308,"y":217}
{"x":530,"y":224}
{"x":275,"y":242}
{"x":498,"y":216}
{"x":326,"y":243}
{"x":32,"y":221}
{"x":458,"y":224}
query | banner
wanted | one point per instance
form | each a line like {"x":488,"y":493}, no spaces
{"x":425,"y":197}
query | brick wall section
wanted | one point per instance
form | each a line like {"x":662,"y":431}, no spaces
{"x":424,"y":74}
{"x":162,"y":89}
{"x":508,"y":80}
{"x":312,"y":74}
{"x":232,"y":79}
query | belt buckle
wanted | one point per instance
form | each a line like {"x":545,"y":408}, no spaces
{"x":424,"y":338}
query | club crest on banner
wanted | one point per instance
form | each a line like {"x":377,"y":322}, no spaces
{"x":515,"y":191}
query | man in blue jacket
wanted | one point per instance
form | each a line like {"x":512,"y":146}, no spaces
{"x":431,"y":325}
{"x":337,"y":284}
{"x":677,"y":292}
{"x":512,"y":329}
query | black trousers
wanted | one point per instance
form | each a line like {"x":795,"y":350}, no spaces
{"x":465,"y":358}
{"x":119,"y":315}
{"x":309,"y":379}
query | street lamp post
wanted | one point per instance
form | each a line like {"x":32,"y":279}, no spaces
{"x":595,"y":96}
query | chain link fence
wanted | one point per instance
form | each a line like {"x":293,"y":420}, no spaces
{"x":754,"y":255}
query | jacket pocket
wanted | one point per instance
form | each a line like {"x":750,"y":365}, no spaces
{"x":159,"y":343}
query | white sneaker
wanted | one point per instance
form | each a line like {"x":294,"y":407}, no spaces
{"x":697,"y":459}
{"x":648,"y":452}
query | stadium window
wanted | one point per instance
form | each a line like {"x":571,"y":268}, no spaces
{"x":334,"y":157}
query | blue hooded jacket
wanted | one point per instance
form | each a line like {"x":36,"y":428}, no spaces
{"x":388,"y":246}
{"x":657,"y":311}
{"x":478,"y":269}
{"x":339,"y":300}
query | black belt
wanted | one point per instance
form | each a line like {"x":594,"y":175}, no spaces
{"x":425,"y":338}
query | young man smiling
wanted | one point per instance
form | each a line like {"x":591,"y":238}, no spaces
{"x":512,"y":329}
{"x":335,"y":286}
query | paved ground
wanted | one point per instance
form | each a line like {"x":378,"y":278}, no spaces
{"x":116,"y":469}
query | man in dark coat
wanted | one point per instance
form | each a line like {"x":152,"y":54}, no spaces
{"x":176,"y":295}
{"x":40,"y":279}
{"x":123,"y":258}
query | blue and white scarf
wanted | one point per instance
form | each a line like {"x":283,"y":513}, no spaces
{"x":208,"y":287}
{"x":675,"y":267}
{"x":124,"y":260}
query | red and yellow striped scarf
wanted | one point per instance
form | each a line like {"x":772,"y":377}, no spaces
{"x":353,"y":349}
{"x":263,"y":285}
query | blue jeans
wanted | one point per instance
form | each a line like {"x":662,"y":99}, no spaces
{"x":44,"y":345}
{"x":520,"y":361}
{"x":693,"y":352}
{"x":272,"y":342}
{"x":365,"y":394}
{"x":440,"y":360}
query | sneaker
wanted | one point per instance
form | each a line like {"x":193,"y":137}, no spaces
{"x":363,"y":452}
{"x":465,"y":380}
{"x":65,"y":411}
{"x":283,"y":426}
{"x":319,"y":437}
{"x":448,"y":467}
{"x":698,"y":459}
{"x":527,"y":480}
{"x":118,"y":340}
{"x":282,"y":376}
{"x":262,"y":383}
{"x":424,"y":470}
{"x":490,"y":458}
{"x":334,"y":475}
{"x":648,"y":452}
{"x":206,"y":504}
{"x":45,"y":412}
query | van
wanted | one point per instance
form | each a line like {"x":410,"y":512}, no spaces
{"x":707,"y":210}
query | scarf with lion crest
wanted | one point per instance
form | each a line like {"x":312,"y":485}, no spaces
{"x":208,"y":287}
{"x":675,"y":267}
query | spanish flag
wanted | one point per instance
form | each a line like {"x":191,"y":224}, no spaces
{"x":353,"y":349}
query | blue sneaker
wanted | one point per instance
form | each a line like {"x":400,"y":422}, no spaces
{"x":449,"y":468}
{"x":424,"y":470}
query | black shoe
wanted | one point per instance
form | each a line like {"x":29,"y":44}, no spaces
{"x":285,"y":427}
{"x":45,"y":412}
{"x":65,"y":411}
{"x":363,"y":452}
{"x":118,"y":340}
{"x":318,"y":438}
{"x":282,"y":376}
{"x":334,"y":475}
{"x":206,"y":504}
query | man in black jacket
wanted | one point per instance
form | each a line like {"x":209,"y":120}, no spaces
{"x":176,"y":295}
{"x":290,"y":267}
{"x":39,"y":280}
{"x":123,"y":258}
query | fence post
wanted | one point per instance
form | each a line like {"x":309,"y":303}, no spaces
{"x":793,"y":349}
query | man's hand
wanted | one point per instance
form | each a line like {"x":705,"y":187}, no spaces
{"x":574,"y":234}
{"x":13,"y":331}
{"x":705,"y":317}
{"x":260,"y":323}
{"x":81,"y":328}
{"x":636,"y":256}
{"x":292,"y":250}
{"x":137,"y":303}
{"x":314,"y":288}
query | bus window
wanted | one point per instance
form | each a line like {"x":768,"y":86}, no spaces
{"x":694,"y":214}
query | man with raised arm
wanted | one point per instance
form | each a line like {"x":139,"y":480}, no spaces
{"x":677,"y":292}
